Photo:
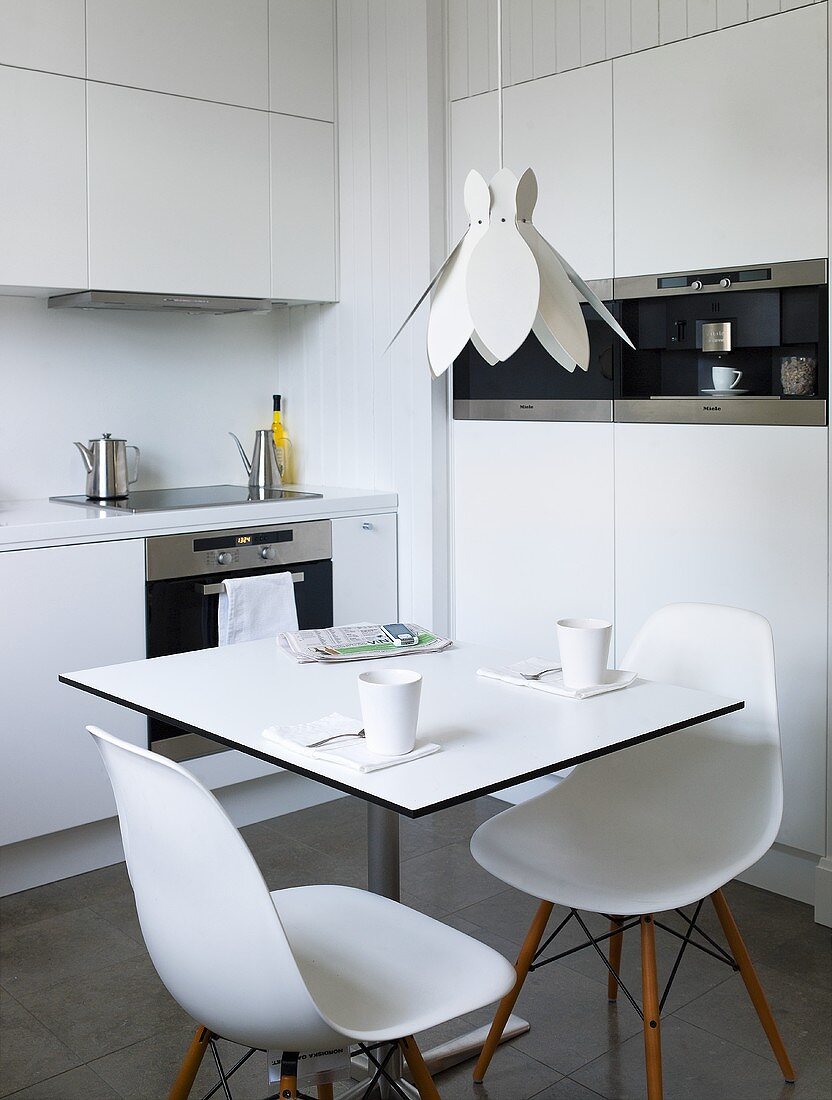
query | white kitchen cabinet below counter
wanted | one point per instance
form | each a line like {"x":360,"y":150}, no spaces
{"x":364,"y":569}
{"x":63,"y":608}
{"x":737,"y":515}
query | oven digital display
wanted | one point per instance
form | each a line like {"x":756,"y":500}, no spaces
{"x":253,"y":538}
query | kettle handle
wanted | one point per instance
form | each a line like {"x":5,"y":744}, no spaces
{"x":131,"y":447}
{"x":243,"y":454}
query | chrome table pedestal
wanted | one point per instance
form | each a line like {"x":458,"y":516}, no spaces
{"x":383,"y":878}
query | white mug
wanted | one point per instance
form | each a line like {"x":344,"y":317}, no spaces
{"x":584,"y":650}
{"x":722,"y":378}
{"x":390,"y":709}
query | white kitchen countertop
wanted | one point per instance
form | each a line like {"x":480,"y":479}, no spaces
{"x":30,"y":523}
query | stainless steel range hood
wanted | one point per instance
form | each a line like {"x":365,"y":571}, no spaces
{"x":161,"y":303}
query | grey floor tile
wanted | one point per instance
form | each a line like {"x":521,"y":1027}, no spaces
{"x":515,"y":1077}
{"x":75,"y":1084}
{"x":803,"y":1014}
{"x":107,"y":892}
{"x":567,"y":1089}
{"x":111,"y":1008}
{"x":73,"y":944}
{"x":448,"y":877}
{"x":30,"y":1052}
{"x":508,"y":913}
{"x":289,"y":863}
{"x":696,"y":1066}
{"x":36,"y":904}
{"x":331,"y":827}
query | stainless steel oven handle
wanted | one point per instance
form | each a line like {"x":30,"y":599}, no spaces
{"x":215,"y":589}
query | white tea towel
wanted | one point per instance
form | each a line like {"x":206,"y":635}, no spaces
{"x":351,"y":754}
{"x":553,"y":683}
{"x":251,"y":608}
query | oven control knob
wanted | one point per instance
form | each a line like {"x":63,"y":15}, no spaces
{"x":267,"y":553}
{"x":223,"y":558}
{"x":725,"y":283}
{"x":696,"y":284}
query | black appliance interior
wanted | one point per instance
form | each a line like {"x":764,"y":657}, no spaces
{"x":766,"y":325}
{"x":198,"y":496}
{"x":527,"y":384}
{"x":184,"y":578}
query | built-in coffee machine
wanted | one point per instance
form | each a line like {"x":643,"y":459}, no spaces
{"x":742,"y":345}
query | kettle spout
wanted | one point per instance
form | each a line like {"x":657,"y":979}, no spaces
{"x":86,"y":455}
{"x":243,"y":454}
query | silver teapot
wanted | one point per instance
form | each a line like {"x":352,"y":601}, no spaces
{"x":105,"y":461}
{"x":262,"y":468}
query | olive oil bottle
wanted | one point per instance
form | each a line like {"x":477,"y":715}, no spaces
{"x":282,"y":443}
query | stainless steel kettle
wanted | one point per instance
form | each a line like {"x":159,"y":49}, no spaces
{"x":262,"y":469}
{"x":105,"y":461}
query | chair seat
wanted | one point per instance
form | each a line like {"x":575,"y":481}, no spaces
{"x":378,"y":970}
{"x":652,"y":828}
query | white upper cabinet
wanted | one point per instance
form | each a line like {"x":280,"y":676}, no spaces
{"x":178,"y":194}
{"x":208,"y":49}
{"x":302,"y":58}
{"x":43,"y":212}
{"x":303,"y":209}
{"x":721,"y":148}
{"x":561,"y":126}
{"x":43,"y":34}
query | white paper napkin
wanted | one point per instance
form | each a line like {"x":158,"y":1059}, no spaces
{"x":352,"y":754}
{"x":552,"y":683}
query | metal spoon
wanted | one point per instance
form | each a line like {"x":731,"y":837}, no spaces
{"x":335,"y":737}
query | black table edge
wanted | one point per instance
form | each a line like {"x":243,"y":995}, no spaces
{"x":404,"y":811}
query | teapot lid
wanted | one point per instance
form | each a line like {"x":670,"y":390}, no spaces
{"x":109,"y":438}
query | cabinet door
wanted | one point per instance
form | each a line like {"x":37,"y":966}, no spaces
{"x":302,"y":58}
{"x":533,"y":530}
{"x":43,"y":34}
{"x":561,"y":127}
{"x":43,"y":212}
{"x":178,"y":194}
{"x":208,"y":49}
{"x":364,"y":570}
{"x":65,"y":608}
{"x":303,"y":209}
{"x":721,"y":148}
{"x":737,"y":515}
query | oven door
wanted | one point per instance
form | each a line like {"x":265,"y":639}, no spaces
{"x":182,"y":616}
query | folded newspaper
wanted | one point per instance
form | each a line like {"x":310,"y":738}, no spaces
{"x":357,"y":642}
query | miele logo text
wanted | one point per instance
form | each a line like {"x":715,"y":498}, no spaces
{"x":712,"y":408}
{"x":522,"y":406}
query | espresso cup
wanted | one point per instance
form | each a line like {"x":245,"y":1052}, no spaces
{"x":726,"y":378}
{"x":390,"y":709}
{"x":584,"y":651}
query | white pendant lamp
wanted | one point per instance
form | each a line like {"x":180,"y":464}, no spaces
{"x":503,"y":279}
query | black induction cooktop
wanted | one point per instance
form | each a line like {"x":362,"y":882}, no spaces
{"x":200,"y":496}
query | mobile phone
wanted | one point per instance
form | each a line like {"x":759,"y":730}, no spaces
{"x":399,"y":634}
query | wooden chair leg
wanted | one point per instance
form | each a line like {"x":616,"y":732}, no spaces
{"x":325,"y":1092}
{"x":420,"y":1072}
{"x":650,"y":1007}
{"x":288,"y":1087}
{"x":616,"y":944}
{"x":752,"y":982}
{"x":524,"y":961}
{"x":183,"y":1084}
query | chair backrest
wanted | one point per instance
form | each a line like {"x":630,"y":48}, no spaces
{"x":725,"y":650}
{"x":206,"y":914}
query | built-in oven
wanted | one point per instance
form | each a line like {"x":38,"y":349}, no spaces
{"x":185,"y":574}
{"x":742,"y":345}
{"x":530,"y":385}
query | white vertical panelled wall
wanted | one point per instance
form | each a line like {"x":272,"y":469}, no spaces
{"x":542,"y":37}
{"x":360,"y":416}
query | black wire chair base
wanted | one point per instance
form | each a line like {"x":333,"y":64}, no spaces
{"x":713,"y":949}
{"x":388,"y":1050}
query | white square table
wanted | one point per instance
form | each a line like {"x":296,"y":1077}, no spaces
{"x":492,"y":735}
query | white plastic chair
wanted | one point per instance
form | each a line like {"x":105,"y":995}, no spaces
{"x":295,"y":970}
{"x":661,"y":825}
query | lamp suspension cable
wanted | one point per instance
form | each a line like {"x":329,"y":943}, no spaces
{"x":500,"y":80}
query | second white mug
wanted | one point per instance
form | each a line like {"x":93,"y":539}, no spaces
{"x":584,"y":651}
{"x":726,"y":378}
{"x":390,"y":709}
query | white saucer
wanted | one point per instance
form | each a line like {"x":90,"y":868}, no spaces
{"x":726,"y":393}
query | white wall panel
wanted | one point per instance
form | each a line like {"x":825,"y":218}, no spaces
{"x":564,"y":34}
{"x":358,"y":415}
